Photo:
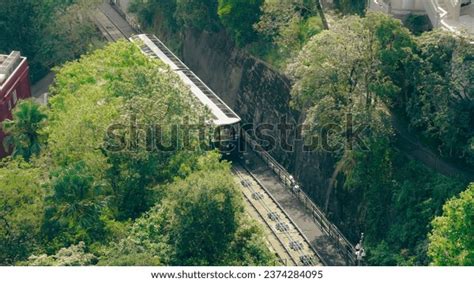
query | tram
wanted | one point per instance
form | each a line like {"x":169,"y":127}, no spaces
{"x":226,"y":121}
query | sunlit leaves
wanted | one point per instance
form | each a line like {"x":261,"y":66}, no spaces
{"x":21,"y":209}
{"x":25,"y":134}
{"x":452,"y":238}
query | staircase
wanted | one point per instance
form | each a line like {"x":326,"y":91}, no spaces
{"x":446,"y":14}
{"x":449,"y":15}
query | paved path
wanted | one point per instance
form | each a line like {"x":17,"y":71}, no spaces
{"x":39,"y":91}
{"x":408,"y":143}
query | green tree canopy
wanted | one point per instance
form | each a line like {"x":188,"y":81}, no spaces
{"x":351,"y":6}
{"x":22,"y":195}
{"x":353,"y":77}
{"x":239,"y":16}
{"x":48,"y":32}
{"x":452,"y":237}
{"x":198,"y":14}
{"x":75,"y":208}
{"x":444,"y":95}
{"x":113,"y":112}
{"x":75,"y":255}
{"x":25,"y":130}
{"x":201,"y":221}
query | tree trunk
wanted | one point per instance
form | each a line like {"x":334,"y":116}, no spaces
{"x":319,"y":7}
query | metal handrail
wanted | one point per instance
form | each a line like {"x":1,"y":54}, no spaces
{"x":343,"y":245}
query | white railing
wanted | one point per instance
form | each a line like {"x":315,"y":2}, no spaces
{"x":343,"y":245}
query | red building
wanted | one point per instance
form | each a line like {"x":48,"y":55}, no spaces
{"x":14,"y":85}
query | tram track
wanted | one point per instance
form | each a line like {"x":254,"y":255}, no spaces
{"x":111,"y":31}
{"x":292,"y":242}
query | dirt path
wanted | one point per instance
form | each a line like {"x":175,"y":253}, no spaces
{"x":408,"y":143}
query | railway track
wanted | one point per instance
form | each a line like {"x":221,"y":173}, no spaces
{"x":111,"y":31}
{"x":288,"y":242}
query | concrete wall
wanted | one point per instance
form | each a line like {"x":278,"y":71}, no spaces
{"x":256,"y":92}
{"x":260,"y":95}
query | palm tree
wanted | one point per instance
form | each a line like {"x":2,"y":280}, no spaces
{"x":23,"y":132}
{"x":76,"y":204}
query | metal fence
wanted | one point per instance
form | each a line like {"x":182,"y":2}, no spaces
{"x":344,"y":247}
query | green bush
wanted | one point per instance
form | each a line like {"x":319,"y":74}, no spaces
{"x":238,"y":17}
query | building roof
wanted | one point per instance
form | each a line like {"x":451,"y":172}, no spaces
{"x":9,"y":65}
{"x":154,"y":48}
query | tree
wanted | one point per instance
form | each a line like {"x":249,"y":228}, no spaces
{"x":158,"y":145}
{"x":150,"y":10}
{"x":452,"y":237}
{"x":72,"y":33}
{"x":346,"y":79}
{"x":443,"y":95}
{"x":198,"y":14}
{"x":205,"y":218}
{"x":75,"y":208}
{"x":128,"y":125}
{"x":238,"y":17}
{"x":75,"y":255}
{"x":288,"y":25}
{"x":351,"y":6}
{"x":28,"y":26}
{"x":21,"y":28}
{"x":24,"y":131}
{"x":22,"y":206}
{"x":201,"y":221}
{"x":340,"y":77}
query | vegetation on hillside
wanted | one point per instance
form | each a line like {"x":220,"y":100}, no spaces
{"x":273,"y":30}
{"x":366,"y":68}
{"x":452,"y":238}
{"x":370,"y":68}
{"x":89,"y":183}
{"x":100,"y":189}
{"x":351,"y":6}
{"x":48,"y":32}
{"x":24,"y":132}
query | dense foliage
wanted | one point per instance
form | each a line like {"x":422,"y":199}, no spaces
{"x":364,"y":68}
{"x":200,"y":221}
{"x":22,"y":206}
{"x":75,"y":255}
{"x":48,"y":32}
{"x":111,"y":156}
{"x":443,"y":95}
{"x":24,"y":132}
{"x":93,"y":185}
{"x":273,"y":30}
{"x":351,"y":6}
{"x":452,"y":238}
{"x":238,"y":16}
{"x":284,"y":27}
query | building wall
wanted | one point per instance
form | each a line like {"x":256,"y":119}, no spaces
{"x":407,"y":6}
{"x":15,"y":88}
